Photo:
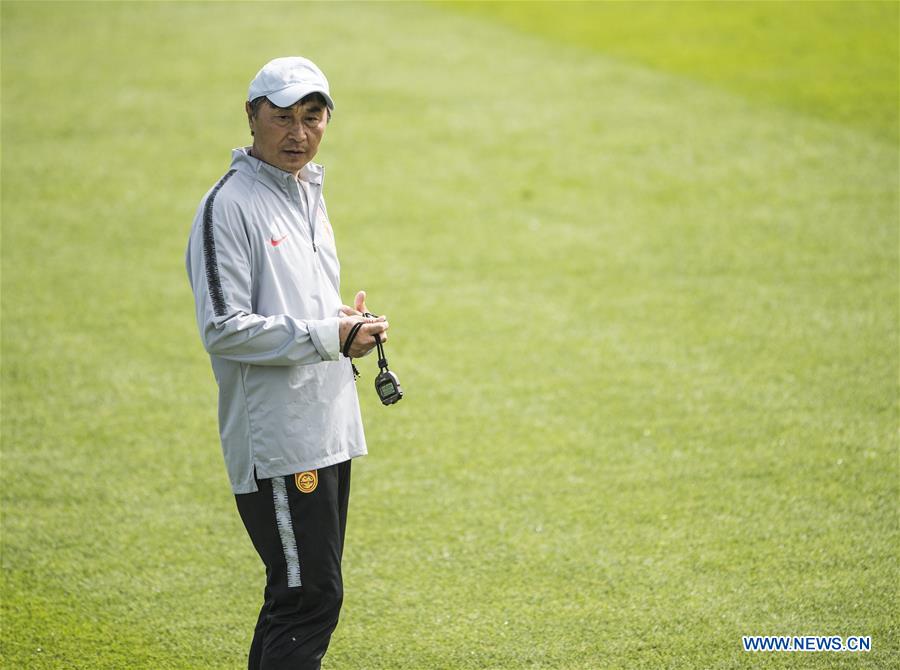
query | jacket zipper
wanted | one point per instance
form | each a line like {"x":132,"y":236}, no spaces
{"x":315,"y":214}
{"x":310,"y":213}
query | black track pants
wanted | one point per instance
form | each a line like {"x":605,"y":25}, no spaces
{"x":297,"y":526}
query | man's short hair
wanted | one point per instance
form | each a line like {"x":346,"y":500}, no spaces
{"x":257,"y":103}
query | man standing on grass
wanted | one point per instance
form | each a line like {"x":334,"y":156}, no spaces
{"x":264,"y":270}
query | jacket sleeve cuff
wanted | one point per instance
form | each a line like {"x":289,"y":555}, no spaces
{"x":325,"y":338}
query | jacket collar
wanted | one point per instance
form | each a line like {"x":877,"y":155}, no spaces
{"x":312,"y":173}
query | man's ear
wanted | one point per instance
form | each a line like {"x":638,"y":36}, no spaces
{"x":249,"y":111}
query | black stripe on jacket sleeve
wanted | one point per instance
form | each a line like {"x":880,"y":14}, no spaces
{"x":209,"y":250}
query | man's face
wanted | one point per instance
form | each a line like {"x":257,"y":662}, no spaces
{"x":288,"y":138}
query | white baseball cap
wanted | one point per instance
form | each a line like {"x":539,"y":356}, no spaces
{"x":284,"y":81}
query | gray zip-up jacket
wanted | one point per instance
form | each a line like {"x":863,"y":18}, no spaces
{"x":263,"y":266}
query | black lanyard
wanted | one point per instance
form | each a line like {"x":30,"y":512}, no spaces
{"x":386,"y":383}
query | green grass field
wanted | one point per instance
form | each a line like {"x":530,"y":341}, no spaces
{"x":641,"y":267}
